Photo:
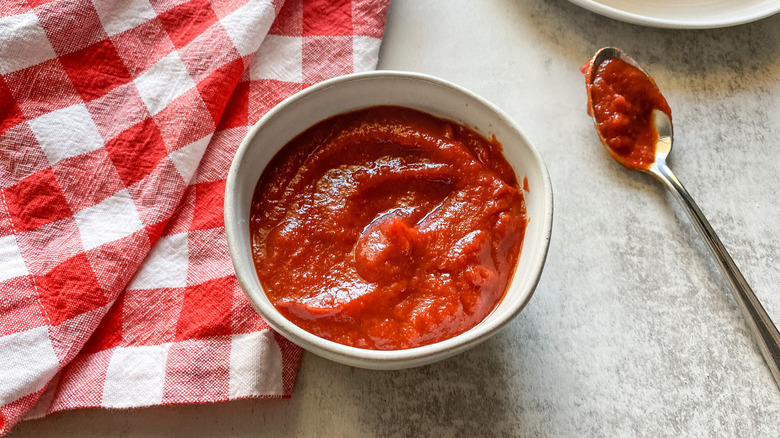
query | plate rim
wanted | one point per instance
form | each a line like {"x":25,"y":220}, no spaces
{"x":646,"y":20}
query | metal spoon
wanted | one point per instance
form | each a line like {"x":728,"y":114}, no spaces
{"x":759,"y":321}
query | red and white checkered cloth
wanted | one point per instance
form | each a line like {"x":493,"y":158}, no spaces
{"x":118,"y":122}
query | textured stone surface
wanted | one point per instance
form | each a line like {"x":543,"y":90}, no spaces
{"x":632,"y":331}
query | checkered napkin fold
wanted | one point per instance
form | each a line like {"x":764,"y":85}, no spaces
{"x":118,"y":123}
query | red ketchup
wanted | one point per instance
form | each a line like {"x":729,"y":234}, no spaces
{"x":623,"y":99}
{"x":387,"y":228}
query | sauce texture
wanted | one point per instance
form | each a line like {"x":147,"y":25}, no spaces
{"x":387,"y":228}
{"x":623,"y":99}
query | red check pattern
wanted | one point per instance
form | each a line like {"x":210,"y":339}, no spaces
{"x":118,"y":123}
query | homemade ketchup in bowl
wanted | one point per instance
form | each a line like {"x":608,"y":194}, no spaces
{"x":387,"y":220}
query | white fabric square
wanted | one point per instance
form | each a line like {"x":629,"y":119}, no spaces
{"x":41,"y":407}
{"x":27,"y":362}
{"x":120,"y":16}
{"x":255,"y":365}
{"x":186,"y":159}
{"x":165,"y":266}
{"x":279,"y":58}
{"x":162,"y":6}
{"x":66,"y":133}
{"x":11,"y":261}
{"x":135,"y":376}
{"x":114,"y":218}
{"x":248,"y":25}
{"x":163,"y":83}
{"x":22,"y":33}
{"x":365,"y":53}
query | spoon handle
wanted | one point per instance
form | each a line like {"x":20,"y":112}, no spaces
{"x":764,"y":330}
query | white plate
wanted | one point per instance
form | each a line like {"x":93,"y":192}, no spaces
{"x":683,"y":14}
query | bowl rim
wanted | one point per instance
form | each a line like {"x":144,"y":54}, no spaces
{"x":361,"y":357}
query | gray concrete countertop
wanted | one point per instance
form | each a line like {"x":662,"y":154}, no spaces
{"x":632,"y":331}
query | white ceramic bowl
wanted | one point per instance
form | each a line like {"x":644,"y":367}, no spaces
{"x":425,"y":93}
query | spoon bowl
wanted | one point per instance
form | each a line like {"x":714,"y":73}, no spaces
{"x":760,"y":323}
{"x":663,"y":146}
{"x":640,"y":102}
{"x":610,"y":52}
